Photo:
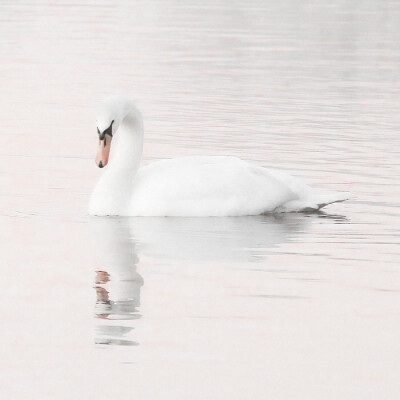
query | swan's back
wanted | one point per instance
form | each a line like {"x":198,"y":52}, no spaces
{"x":206,"y":186}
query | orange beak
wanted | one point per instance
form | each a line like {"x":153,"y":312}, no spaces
{"x":103,"y":151}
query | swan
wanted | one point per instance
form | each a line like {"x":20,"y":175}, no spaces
{"x":196,"y":186}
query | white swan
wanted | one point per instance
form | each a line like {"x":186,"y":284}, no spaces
{"x":187,"y":186}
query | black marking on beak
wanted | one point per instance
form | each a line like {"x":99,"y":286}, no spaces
{"x":107,"y":131}
{"x":101,"y":165}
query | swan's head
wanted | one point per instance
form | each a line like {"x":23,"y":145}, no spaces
{"x":110,"y":116}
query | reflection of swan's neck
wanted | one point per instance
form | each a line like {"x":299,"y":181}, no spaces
{"x":127,"y":147}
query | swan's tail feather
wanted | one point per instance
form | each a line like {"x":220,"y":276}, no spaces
{"x":325,"y":199}
{"x":314,"y":203}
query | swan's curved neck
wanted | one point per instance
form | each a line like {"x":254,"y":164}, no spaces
{"x":127,"y":146}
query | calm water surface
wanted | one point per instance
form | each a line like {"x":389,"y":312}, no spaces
{"x":272,"y":307}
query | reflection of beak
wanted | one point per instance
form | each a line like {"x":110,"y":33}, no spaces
{"x":103,"y":151}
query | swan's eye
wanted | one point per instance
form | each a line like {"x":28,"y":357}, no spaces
{"x":101,"y":135}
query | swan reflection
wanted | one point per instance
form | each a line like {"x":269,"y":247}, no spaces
{"x":117,"y":283}
{"x":218,"y":239}
{"x":223,"y":240}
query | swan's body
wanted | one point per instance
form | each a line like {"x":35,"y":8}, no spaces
{"x":188,"y":186}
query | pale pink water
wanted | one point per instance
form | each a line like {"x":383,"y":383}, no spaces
{"x":302,"y":307}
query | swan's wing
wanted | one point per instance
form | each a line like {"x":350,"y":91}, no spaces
{"x":206,"y":186}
